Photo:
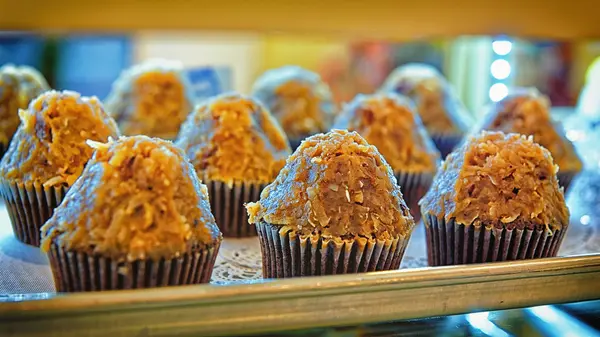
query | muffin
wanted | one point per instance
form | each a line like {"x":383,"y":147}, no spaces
{"x":527,"y":112}
{"x":299,"y":100}
{"x":335,"y":208}
{"x":388,"y":122}
{"x":137,"y":218}
{"x":18,"y":86}
{"x":47,"y":155}
{"x":152,"y":99}
{"x":237,"y":148}
{"x":495,"y":198}
{"x":444,"y":116}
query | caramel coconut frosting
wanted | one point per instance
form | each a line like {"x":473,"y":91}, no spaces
{"x":298,"y":98}
{"x":439,"y":109}
{"x":497,"y":179}
{"x":138,"y":198}
{"x":152,"y":99}
{"x":18,"y":86}
{"x":387,"y":122}
{"x":49,"y":146}
{"x":527,"y":112}
{"x":335,"y":185}
{"x":233,"y":138}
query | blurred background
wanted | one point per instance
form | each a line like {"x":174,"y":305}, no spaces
{"x":480,"y":67}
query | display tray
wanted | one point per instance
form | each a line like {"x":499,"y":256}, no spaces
{"x":239,"y":301}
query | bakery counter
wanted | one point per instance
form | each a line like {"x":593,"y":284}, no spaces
{"x":414,"y":299}
{"x":240,"y":301}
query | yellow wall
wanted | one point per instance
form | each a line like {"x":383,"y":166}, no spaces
{"x":585,"y":52}
{"x":305,"y":51}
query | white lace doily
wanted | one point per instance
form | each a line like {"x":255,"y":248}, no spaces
{"x":239,"y":260}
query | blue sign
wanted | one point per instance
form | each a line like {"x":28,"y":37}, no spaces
{"x":209,"y":81}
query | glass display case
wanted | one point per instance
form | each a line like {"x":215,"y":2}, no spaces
{"x":483,"y":49}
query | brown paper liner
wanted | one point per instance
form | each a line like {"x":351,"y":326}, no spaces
{"x":565,"y":179}
{"x":413,"y":187}
{"x":227,"y":204}
{"x":29,"y":207}
{"x":286,"y":254}
{"x":445,"y":142}
{"x":75,"y":271}
{"x":452,"y":244}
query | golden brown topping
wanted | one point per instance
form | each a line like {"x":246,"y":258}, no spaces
{"x":387,"y":121}
{"x":298,"y":98}
{"x":151,"y":99}
{"x":338,"y":186}
{"x":49,"y":146}
{"x":18,"y":86}
{"x":137,"y":198}
{"x":527,"y":112}
{"x":233,"y":138}
{"x":495,"y":179}
{"x":438,"y":106}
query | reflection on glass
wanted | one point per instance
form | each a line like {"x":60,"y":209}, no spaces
{"x":554,"y":322}
{"x":481,"y":322}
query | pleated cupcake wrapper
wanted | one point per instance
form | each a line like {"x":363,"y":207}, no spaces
{"x":285,"y":254}
{"x":565,"y":179}
{"x":414,"y":186}
{"x":227,"y":204}
{"x":446,"y":142}
{"x":451,"y":244}
{"x":29,"y":207}
{"x":77,"y":272}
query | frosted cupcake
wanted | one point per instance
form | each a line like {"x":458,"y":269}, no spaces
{"x":18,"y":86}
{"x":442,"y":113}
{"x":335,"y":208}
{"x":237,"y":148}
{"x":138,"y":217}
{"x":495,"y":198}
{"x":47,"y":155}
{"x":388,"y":121}
{"x":152,"y":99}
{"x":299,"y":100}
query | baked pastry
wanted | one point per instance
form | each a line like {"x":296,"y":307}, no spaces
{"x":47,"y":155}
{"x":18,"y":86}
{"x":495,"y":198}
{"x":138,"y":217}
{"x":527,"y":112}
{"x":334,"y":208}
{"x":299,"y":100}
{"x":388,"y":121}
{"x":442,"y":113}
{"x":152,"y":99}
{"x":237,"y":148}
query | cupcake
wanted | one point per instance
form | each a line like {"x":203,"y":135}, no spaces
{"x":442,"y":113}
{"x":47,"y":155}
{"x":237,"y":148}
{"x":527,"y":112}
{"x":335,"y":208}
{"x":151,"y":99}
{"x":495,"y":198}
{"x":138,"y":217}
{"x":299,"y":100}
{"x":388,"y":122}
{"x":18,"y":86}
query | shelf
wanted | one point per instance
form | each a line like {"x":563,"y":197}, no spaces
{"x":306,"y":302}
{"x":398,"y":20}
